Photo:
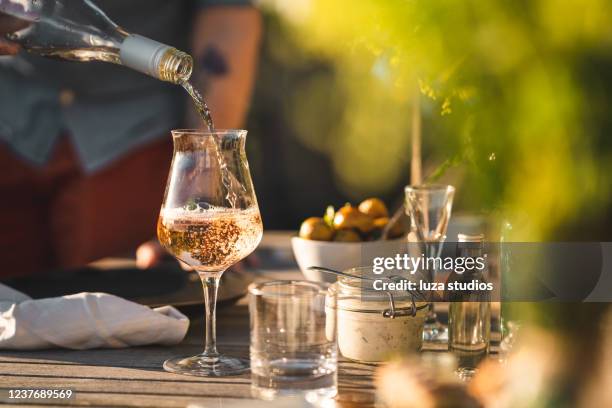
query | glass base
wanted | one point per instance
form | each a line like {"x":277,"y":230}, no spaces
{"x":435,"y":332}
{"x":200,"y":366}
{"x":316,"y":396}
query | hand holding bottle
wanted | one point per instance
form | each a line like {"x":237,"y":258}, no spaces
{"x":79,"y":30}
{"x":9,"y":24}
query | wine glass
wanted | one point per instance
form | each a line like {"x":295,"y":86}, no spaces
{"x":429,"y":207}
{"x":209,"y":220}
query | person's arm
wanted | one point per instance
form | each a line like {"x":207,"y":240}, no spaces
{"x":9,"y":24}
{"x":225,"y":47}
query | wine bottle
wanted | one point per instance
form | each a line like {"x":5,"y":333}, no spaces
{"x":79,"y":30}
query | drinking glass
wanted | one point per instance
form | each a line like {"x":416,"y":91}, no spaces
{"x":293,"y":340}
{"x":429,"y":207}
{"x":209,"y":220}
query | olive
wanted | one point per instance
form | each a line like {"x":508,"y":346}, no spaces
{"x":375,"y":235}
{"x":381,"y":222}
{"x":316,"y":229}
{"x":349,"y":217}
{"x":347,"y":235}
{"x":374,"y":207}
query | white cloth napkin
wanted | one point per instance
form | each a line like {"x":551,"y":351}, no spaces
{"x":84,"y":321}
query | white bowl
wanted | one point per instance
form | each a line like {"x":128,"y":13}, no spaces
{"x":339,"y":256}
{"x":345,"y":255}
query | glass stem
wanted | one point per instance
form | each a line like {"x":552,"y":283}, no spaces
{"x":431,"y":314}
{"x":211,"y":285}
{"x":432,"y":249}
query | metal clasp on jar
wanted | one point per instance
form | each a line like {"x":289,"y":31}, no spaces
{"x":394,"y":312}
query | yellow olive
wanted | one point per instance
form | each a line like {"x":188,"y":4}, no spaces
{"x":381,"y":222}
{"x":374,"y":207}
{"x":347,"y":235}
{"x":316,"y":229}
{"x":349,"y":217}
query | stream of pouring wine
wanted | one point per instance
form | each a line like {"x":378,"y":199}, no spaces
{"x":227,"y":178}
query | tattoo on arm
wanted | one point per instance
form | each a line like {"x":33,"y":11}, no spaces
{"x":213,"y":62}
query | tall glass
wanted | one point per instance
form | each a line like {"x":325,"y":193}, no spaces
{"x":429,"y":207}
{"x":209,"y":220}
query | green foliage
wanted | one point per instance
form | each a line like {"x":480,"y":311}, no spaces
{"x":505,"y":102}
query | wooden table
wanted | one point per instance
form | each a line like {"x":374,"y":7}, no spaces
{"x":134,"y":376}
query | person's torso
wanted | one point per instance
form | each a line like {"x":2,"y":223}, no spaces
{"x":106,"y":108}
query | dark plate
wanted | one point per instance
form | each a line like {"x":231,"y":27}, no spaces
{"x":166,"y":284}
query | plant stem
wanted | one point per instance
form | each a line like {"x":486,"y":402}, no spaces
{"x":416,"y":177}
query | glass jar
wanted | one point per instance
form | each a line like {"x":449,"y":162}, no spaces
{"x":374,"y":325}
